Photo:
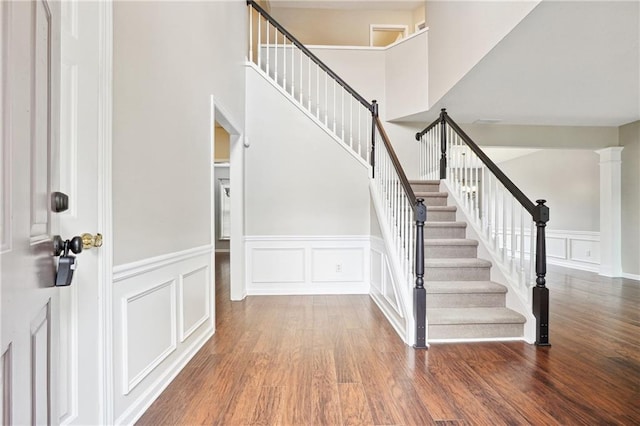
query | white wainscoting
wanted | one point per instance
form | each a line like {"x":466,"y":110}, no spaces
{"x":163,"y":312}
{"x":574,"y":249}
{"x":307,"y":264}
{"x":384,"y":287}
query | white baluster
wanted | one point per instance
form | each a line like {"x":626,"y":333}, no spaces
{"x":268,"y":67}
{"x":259,"y":44}
{"x":326,"y":99}
{"x":284,"y":62}
{"x":275,"y":54}
{"x":318,"y":91}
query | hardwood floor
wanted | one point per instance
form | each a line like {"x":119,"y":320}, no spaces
{"x":331,"y":360}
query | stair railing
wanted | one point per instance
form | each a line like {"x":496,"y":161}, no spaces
{"x":405,"y":215}
{"x":506,"y":218}
{"x":310,"y":82}
{"x":312,"y":85}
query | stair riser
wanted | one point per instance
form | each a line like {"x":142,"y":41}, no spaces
{"x":444,"y":232}
{"x":450,"y":252}
{"x":425,"y":187}
{"x":457,"y":274}
{"x":441,"y":216}
{"x":435,"y":201}
{"x":466,"y":300}
{"x":475,"y":331}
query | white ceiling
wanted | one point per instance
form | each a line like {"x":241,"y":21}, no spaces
{"x":567,"y":63}
{"x":348,"y":4}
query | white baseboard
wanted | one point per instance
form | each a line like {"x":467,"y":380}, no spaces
{"x":177,"y":291}
{"x":334,"y":264}
{"x":138,"y":408}
{"x":631,"y":276}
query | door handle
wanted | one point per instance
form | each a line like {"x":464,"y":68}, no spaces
{"x":90,"y":241}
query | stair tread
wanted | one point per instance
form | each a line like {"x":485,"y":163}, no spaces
{"x":457,"y":263}
{"x":464,"y":287}
{"x":428,"y":182}
{"x":474,"y":316}
{"x":442,"y":208}
{"x":439,"y":224}
{"x":450,"y":242}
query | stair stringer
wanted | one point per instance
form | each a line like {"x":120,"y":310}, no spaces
{"x":514,"y":299}
{"x":402,"y":284}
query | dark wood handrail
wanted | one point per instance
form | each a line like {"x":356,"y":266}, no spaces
{"x":508,"y":184}
{"x":396,"y":165}
{"x":429,"y":127}
{"x":307,"y":52}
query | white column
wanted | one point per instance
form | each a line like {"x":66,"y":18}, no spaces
{"x":610,"y":212}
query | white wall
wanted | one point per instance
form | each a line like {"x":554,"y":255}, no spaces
{"x":338,"y":27}
{"x":461,"y":33}
{"x":298,"y":181}
{"x":169,"y":58}
{"x":569,"y":181}
{"x":406,"y":77}
{"x":630,"y":140}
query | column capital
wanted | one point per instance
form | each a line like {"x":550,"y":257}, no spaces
{"x":610,"y":154}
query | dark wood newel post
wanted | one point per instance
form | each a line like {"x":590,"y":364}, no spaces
{"x":374,"y":115}
{"x":443,"y":144}
{"x":540,"y":291}
{"x":419,"y":292}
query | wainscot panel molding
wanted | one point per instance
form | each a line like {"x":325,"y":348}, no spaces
{"x":383,"y":287}
{"x":307,"y":264}
{"x":574,"y":249}
{"x":163,"y":313}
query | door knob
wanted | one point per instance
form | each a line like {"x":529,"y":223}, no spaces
{"x":89,"y":241}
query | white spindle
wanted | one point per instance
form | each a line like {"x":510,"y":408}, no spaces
{"x":268,"y":67}
{"x":275,"y":54}
{"x":284,"y":62}
{"x":326,"y":99}
{"x":259,"y":44}
{"x":318,"y":91}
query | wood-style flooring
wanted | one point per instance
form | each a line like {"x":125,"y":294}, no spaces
{"x":335,"y":360}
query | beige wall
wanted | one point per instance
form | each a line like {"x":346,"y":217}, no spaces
{"x":344,"y":27}
{"x":542,"y":136}
{"x":568,"y":179}
{"x":630,"y":140}
{"x":168,"y":59}
{"x":222,"y":144}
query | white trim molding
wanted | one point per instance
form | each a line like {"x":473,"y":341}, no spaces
{"x":163,"y":311}
{"x":334,"y":264}
{"x":574,"y":249}
{"x":611,"y":211}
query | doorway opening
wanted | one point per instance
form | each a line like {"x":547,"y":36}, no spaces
{"x":227,"y":195}
{"x":382,"y":35}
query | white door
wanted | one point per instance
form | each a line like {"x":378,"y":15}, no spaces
{"x":52,"y":344}
{"x":30,"y":76}
{"x":81,"y":341}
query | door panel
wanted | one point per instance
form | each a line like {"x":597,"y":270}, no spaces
{"x":30,"y":64}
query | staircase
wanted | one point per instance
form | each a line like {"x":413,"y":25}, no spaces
{"x":462,"y":301}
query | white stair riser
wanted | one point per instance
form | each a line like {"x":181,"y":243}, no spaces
{"x":450,"y":252}
{"x":466,"y":300}
{"x":457,"y":274}
{"x":475,"y":331}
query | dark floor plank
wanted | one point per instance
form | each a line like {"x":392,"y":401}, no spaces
{"x":330,"y":360}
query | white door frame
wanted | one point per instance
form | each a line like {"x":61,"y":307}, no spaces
{"x":105,"y":207}
{"x":236,"y":180}
{"x":387,"y":27}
